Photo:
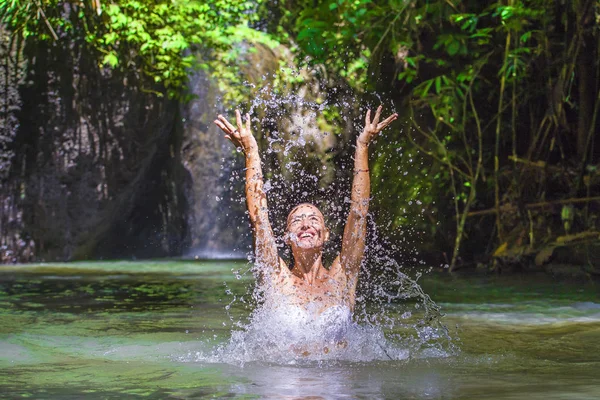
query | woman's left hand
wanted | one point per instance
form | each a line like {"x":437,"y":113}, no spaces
{"x":372,"y":128}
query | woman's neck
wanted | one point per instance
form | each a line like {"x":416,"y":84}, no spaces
{"x":307,"y":265}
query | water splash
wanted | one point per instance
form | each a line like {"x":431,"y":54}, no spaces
{"x":393,"y":320}
{"x":381,"y":329}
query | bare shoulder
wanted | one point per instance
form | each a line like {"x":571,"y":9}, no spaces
{"x":272,"y":274}
{"x":283,"y":273}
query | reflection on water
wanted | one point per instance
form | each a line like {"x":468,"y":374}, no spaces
{"x":375,"y":381}
{"x":121,"y":330}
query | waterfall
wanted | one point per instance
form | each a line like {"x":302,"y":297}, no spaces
{"x":285,"y":123}
{"x":218,"y":225}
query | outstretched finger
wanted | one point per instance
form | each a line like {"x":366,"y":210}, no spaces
{"x":226,"y":123}
{"x":248,"y":122}
{"x":368,"y":117}
{"x":238,"y":119}
{"x":377,"y":115}
{"x":221,"y":125}
{"x":387,"y":121}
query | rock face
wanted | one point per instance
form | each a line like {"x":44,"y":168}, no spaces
{"x":95,"y":167}
{"x":95,"y":170}
{"x":12,"y":73}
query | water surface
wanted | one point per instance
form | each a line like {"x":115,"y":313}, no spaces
{"x":134,"y":329}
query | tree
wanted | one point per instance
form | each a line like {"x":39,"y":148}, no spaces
{"x":153,"y":37}
{"x":502,"y":94}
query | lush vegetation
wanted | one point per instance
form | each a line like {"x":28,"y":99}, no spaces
{"x":502,"y":97}
{"x":153,"y":37}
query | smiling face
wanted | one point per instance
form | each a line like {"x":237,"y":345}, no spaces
{"x":306,"y":227}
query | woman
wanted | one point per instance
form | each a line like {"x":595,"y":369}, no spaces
{"x":308,"y":284}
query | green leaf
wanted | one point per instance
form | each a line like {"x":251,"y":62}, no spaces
{"x":453,"y":48}
{"x":111,"y":59}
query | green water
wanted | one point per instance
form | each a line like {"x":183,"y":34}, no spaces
{"x":130,"y":330}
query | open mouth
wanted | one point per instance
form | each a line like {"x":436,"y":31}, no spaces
{"x":306,"y":235}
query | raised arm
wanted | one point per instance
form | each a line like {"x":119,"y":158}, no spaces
{"x":355,"y":231}
{"x":256,"y":199}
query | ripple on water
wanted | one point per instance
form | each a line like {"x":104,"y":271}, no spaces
{"x":529,"y":313}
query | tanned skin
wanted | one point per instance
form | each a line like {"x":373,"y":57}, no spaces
{"x":308,"y":281}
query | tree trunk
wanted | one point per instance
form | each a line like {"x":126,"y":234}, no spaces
{"x":587,"y":94}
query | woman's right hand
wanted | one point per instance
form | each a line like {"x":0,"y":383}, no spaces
{"x":372,"y":128}
{"x":241,"y":136}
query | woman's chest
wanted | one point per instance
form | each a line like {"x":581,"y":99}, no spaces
{"x":326,"y":291}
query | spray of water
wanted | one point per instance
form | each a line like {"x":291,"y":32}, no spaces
{"x":393,"y":319}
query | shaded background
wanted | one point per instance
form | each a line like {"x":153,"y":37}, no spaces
{"x":107,"y":148}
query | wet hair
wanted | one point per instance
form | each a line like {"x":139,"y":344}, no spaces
{"x":300,"y":205}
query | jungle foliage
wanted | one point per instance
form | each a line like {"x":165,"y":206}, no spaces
{"x":153,"y":37}
{"x":501,"y":97}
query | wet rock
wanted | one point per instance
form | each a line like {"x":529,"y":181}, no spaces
{"x":96,"y":171}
